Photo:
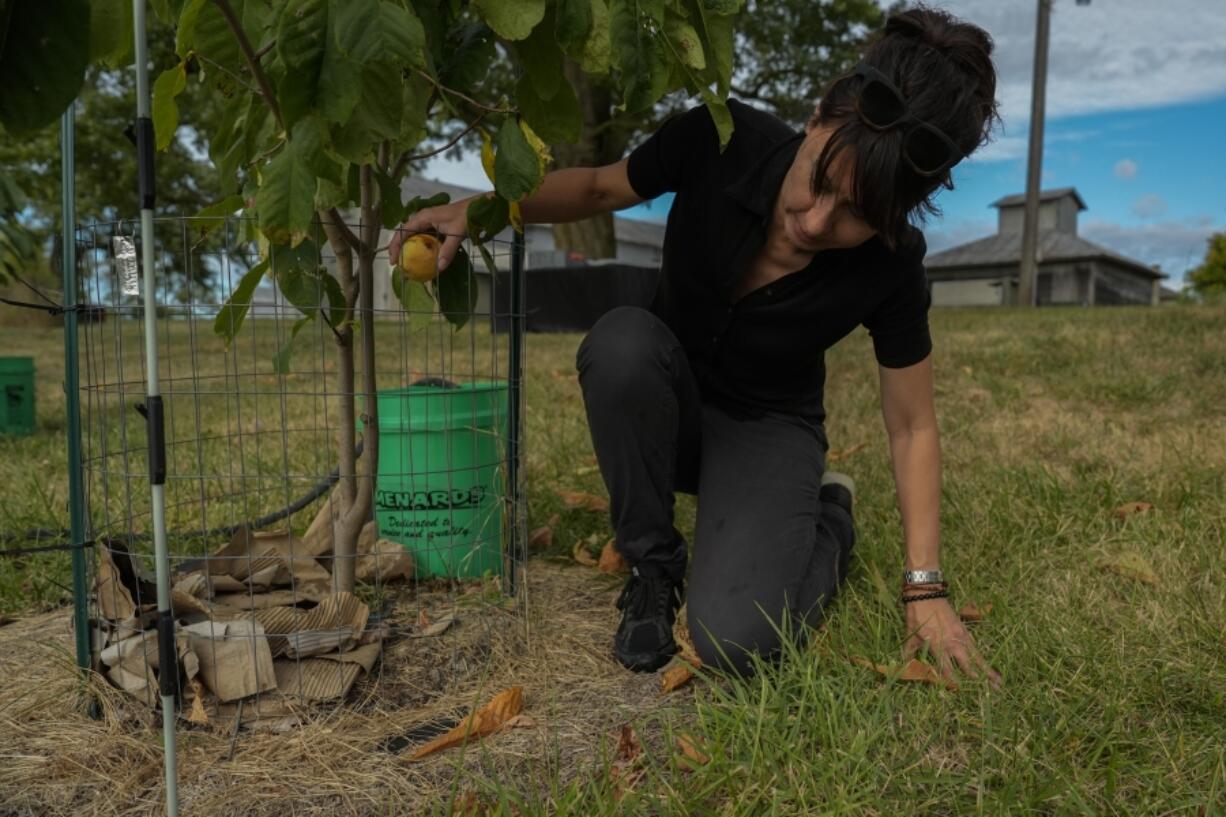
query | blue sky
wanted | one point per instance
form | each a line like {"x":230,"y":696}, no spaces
{"x":1136,"y":121}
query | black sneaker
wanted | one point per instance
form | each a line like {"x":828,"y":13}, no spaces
{"x":644,"y":640}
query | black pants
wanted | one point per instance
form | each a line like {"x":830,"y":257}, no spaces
{"x":767,"y":546}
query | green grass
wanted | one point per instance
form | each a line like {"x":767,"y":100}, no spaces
{"x":1115,"y":690}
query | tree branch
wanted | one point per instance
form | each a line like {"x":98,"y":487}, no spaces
{"x":456,"y":93}
{"x":405,"y":158}
{"x":342,"y":229}
{"x":253,"y":62}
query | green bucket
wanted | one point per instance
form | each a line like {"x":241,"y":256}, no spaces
{"x":16,"y":395}
{"x":439,"y":488}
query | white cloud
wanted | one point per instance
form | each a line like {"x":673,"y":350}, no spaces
{"x":1125,"y":169}
{"x":1151,"y":205}
{"x":1108,"y":56}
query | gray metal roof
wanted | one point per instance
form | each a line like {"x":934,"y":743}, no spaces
{"x":1044,"y":195}
{"x":1006,"y":250}
{"x":628,"y":230}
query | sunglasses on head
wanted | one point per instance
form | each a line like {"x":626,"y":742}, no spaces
{"x":881,"y":106}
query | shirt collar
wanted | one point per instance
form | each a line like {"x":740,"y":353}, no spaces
{"x":758,"y":188}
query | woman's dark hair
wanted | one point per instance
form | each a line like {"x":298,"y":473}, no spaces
{"x":943,"y":68}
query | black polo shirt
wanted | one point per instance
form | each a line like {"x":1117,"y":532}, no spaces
{"x":767,"y":350}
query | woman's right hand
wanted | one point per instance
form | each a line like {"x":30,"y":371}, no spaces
{"x":450,"y":221}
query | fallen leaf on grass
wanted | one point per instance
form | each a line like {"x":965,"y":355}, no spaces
{"x":915,"y":670}
{"x":967,"y":370}
{"x":578,"y":499}
{"x":1131,"y":565}
{"x":581,"y":555}
{"x":626,"y":769}
{"x":584,"y":470}
{"x":972,"y":612}
{"x":1129,"y":508}
{"x":435,"y":628}
{"x":520,"y":722}
{"x":675,"y":677}
{"x":689,"y":749}
{"x":197,"y":715}
{"x":485,"y":721}
{"x":541,"y":538}
{"x":835,"y":456}
{"x":611,"y":560}
{"x":685,"y":646}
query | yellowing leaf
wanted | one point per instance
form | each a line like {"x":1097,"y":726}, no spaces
{"x":1129,"y":508}
{"x":485,"y":721}
{"x":487,"y":154}
{"x":543,"y":156}
{"x":1132,"y":565}
{"x":971,"y":612}
{"x":611,"y":560}
{"x":676,"y":676}
{"x":578,"y":499}
{"x":516,"y":216}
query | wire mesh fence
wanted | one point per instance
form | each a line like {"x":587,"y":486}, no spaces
{"x":284,"y":477}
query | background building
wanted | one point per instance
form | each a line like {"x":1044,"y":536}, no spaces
{"x":1071,"y":269}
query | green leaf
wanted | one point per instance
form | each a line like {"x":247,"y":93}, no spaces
{"x":468,"y":62}
{"x":337,"y":304}
{"x":574,"y":22}
{"x":418,"y":203}
{"x":556,"y":120}
{"x":413,"y":295}
{"x":185,"y":31}
{"x":379,"y":107}
{"x":511,"y":19}
{"x":215,"y":40}
{"x":43,"y":64}
{"x":286,"y":200}
{"x":597,"y":51}
{"x":542,"y":58}
{"x":110,"y":32}
{"x":169,"y":84}
{"x":302,"y":32}
{"x":214,"y":216}
{"x":457,"y":290}
{"x":230,"y":319}
{"x":723,"y":6}
{"x":685,"y":39}
{"x":280,"y":361}
{"x":637,"y":55}
{"x":516,"y":166}
{"x":404,"y":38}
{"x":487,"y":217}
{"x":309,"y":138}
{"x":489,"y":260}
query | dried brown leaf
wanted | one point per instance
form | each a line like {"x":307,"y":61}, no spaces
{"x":1132,"y":565}
{"x":520,"y":722}
{"x":541,"y":538}
{"x":554,"y":519}
{"x":579,"y":499}
{"x":685,"y":645}
{"x":435,"y":628}
{"x":197,"y":715}
{"x":611,"y":560}
{"x":689,"y":749}
{"x":581,"y":555}
{"x":967,"y":370}
{"x":485,"y":721}
{"x":584,"y":470}
{"x":626,"y":769}
{"x":676,"y":676}
{"x":915,"y":670}
{"x":972,"y":612}
{"x":1130,"y":508}
{"x":835,"y":456}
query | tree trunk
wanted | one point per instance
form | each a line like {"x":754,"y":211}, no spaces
{"x":601,"y":142}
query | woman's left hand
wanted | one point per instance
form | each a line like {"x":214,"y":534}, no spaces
{"x":932,"y":623}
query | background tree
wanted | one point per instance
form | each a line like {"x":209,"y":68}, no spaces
{"x":1210,"y":277}
{"x":785,"y":53}
{"x":323,"y":105}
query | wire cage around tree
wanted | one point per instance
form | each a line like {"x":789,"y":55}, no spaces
{"x":263,"y":495}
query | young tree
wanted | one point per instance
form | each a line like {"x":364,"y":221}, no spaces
{"x":324,"y":104}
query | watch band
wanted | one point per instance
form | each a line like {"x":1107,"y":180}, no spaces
{"x":922,"y":576}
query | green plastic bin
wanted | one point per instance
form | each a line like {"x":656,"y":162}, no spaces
{"x":439,"y":487}
{"x":16,"y":395}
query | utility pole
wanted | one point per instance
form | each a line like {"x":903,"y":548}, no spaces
{"x":1034,"y":164}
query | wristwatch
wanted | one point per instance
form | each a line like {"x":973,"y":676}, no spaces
{"x":923,"y":576}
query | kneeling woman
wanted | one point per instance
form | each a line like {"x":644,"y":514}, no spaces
{"x":775,"y":249}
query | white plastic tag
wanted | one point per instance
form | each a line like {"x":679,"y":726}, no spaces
{"x":126,"y":266}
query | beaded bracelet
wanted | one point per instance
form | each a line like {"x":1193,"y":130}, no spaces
{"x":921,"y":597}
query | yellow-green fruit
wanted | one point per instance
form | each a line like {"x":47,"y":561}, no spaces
{"x":419,"y":257}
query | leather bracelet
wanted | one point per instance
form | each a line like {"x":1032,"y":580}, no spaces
{"x":943,"y":594}
{"x":925,"y":586}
